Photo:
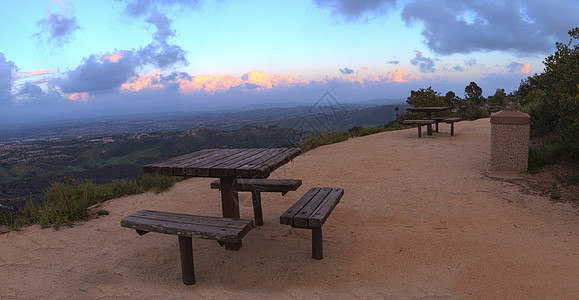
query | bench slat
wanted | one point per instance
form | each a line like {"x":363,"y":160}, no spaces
{"x":288,"y":216}
{"x":213,"y":228}
{"x":303,"y":216}
{"x":262,"y":185}
{"x":190,"y":219}
{"x":421,"y":122}
{"x":321,"y":214}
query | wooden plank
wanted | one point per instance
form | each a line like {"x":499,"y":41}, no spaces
{"x":221,"y":229}
{"x":321,"y":214}
{"x":229,"y":168}
{"x":244,"y":170}
{"x":166,"y":167}
{"x":302,"y":217}
{"x":421,"y":122}
{"x":199,"y":168}
{"x":278,"y":161}
{"x":262,"y":185}
{"x":190,"y":219}
{"x":262,"y":168}
{"x":288,"y":216}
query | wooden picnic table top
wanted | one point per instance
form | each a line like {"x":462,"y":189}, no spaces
{"x":241,"y":163}
{"x":428,"y":109}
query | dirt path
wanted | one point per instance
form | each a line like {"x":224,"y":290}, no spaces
{"x":420,"y":219}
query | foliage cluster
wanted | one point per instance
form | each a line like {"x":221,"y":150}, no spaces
{"x":468,"y":108}
{"x":68,"y":201}
{"x":552,"y":97}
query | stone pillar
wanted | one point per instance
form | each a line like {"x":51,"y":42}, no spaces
{"x":510,"y":131}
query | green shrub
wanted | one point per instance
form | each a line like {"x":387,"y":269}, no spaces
{"x":68,"y":201}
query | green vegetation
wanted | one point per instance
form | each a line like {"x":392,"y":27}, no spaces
{"x":552,"y":100}
{"x":68,"y":201}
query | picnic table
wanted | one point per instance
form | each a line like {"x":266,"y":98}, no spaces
{"x":228,"y":165}
{"x":428,"y":111}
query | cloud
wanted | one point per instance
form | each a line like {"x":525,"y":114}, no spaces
{"x":519,"y":68}
{"x":393,"y":62}
{"x":355,"y":9}
{"x":141,"y":7}
{"x":526,"y":27}
{"x":57,"y":28}
{"x":96,"y":75}
{"x":425,"y":64}
{"x":160,"y":53}
{"x":471,"y":62}
{"x":7,"y":74}
{"x":458,"y":69}
{"x":108,"y":72}
{"x":346,"y":71}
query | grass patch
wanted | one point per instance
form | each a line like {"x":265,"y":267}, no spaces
{"x":68,"y":201}
{"x":542,"y":155}
{"x":555,"y":196}
{"x":102,"y":212}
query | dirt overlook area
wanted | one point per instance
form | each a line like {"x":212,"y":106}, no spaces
{"x":420,"y":219}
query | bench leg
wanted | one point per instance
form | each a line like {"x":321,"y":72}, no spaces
{"x":317,"y":248}
{"x":419,"y":131}
{"x":436,"y":126}
{"x":257,"y":214}
{"x":187,"y":268}
{"x":452,"y":129}
{"x":429,"y":129}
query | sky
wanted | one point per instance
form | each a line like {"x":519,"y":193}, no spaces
{"x":63,"y":59}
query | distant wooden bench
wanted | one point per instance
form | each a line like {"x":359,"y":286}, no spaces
{"x":187,"y":227}
{"x":311,"y":211}
{"x":256,"y":186}
{"x":451,"y":121}
{"x":420,"y":123}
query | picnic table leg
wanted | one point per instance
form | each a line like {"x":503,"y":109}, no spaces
{"x":436,"y":125}
{"x":419,"y":130}
{"x":429,"y":126}
{"x":187,"y":267}
{"x":452,"y":129}
{"x":257,"y":213}
{"x":230,"y":205}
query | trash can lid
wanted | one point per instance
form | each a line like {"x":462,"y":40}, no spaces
{"x":512,"y":117}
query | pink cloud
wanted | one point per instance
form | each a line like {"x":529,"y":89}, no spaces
{"x":254,"y":80}
{"x":526,"y":69}
{"x":25,"y":74}
{"x":80,"y":97}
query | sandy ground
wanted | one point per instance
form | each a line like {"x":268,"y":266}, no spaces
{"x":420,"y":219}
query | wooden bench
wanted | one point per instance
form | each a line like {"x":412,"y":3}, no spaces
{"x":187,"y":227}
{"x":420,"y":123}
{"x":451,"y":122}
{"x":256,"y":186}
{"x":311,"y":211}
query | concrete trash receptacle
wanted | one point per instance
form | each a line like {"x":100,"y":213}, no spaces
{"x":510,"y":131}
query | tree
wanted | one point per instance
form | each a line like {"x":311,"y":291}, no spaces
{"x":451,"y":99}
{"x":552,"y":96}
{"x":474,"y":100}
{"x":500,"y":97}
{"x":425,"y":97}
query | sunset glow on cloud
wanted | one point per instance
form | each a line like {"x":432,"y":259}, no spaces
{"x":254,"y":80}
{"x":526,"y":69}
{"x":25,"y":74}
{"x":165,"y":55}
{"x":79,"y":97}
